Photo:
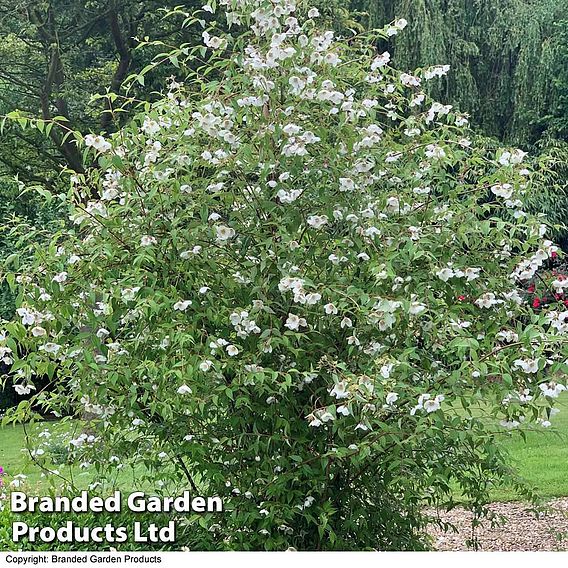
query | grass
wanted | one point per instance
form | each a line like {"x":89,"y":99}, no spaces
{"x":16,"y":460}
{"x":12,"y":459}
{"x":541,"y":459}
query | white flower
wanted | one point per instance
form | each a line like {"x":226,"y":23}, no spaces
{"x":97,"y":142}
{"x":317,"y":221}
{"x":150,"y":126}
{"x":461,"y":120}
{"x":529,"y":366}
{"x":61,"y":277}
{"x":427,"y":403}
{"x":507,"y":335}
{"x":346,"y":184}
{"x":409,"y":80}
{"x":224,"y":233}
{"x":205,"y":365}
{"x":182,"y":305}
{"x":184,"y":389}
{"x":330,"y":309}
{"x":343,"y":410}
{"x":128,"y":294}
{"x":513,"y":158}
{"x":391,"y":398}
{"x":380,"y":61}
{"x":552,"y":389}
{"x":312,"y":298}
{"x":340,"y":390}
{"x":215,"y":187}
{"x":445,"y":274}
{"x":214,"y":42}
{"x":187,"y":253}
{"x":147,"y":241}
{"x":50,"y":347}
{"x":313,"y":421}
{"x":346,"y":322}
{"x":232,"y":350}
{"x":438,"y":71}
{"x":398,"y":26}
{"x":435,"y":152}
{"x":472,"y":273}
{"x":294,"y":322}
{"x":38,"y":331}
{"x":23,"y":390}
{"x":488,"y":300}
{"x":313,"y":13}
{"x":416,"y":308}
{"x":504,"y":190}
{"x":432,"y":405}
{"x":386,"y":370}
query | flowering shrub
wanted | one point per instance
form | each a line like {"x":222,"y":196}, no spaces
{"x":547,"y":287}
{"x":300,"y":288}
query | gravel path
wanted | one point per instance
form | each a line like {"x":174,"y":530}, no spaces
{"x":524,"y":530}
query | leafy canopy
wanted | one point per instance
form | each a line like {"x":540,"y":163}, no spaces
{"x":298,"y":289}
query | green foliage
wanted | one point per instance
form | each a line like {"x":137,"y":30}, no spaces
{"x":283,"y":288}
{"x":28,"y":220}
{"x":508,"y":58}
{"x":551,"y":199}
{"x":55,"y":56}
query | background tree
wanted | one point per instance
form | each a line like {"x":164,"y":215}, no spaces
{"x":507,"y":57}
{"x":55,"y":55}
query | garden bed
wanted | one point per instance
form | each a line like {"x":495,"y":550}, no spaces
{"x":524,"y":530}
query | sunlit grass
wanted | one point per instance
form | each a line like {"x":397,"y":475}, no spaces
{"x":16,"y":460}
{"x":542,"y":460}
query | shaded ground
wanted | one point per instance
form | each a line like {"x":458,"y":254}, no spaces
{"x":524,"y":530}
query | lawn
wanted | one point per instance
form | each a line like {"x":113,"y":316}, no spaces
{"x":542,"y":459}
{"x":12,"y":459}
{"x":15,"y":460}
